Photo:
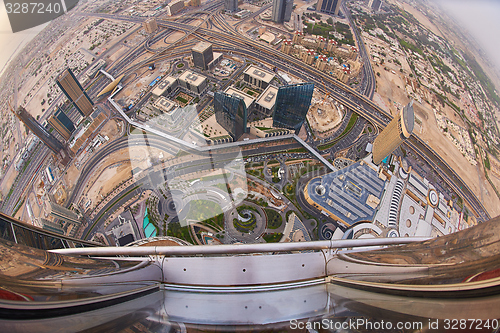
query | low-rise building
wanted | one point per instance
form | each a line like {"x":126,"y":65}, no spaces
{"x":166,"y":86}
{"x":258,"y":77}
{"x":193,"y":82}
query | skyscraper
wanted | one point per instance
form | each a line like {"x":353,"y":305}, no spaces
{"x":282,"y":10}
{"x":62,"y":124}
{"x":329,"y":6}
{"x":375,"y":5}
{"x":231,"y":114}
{"x":292,"y":104}
{"x":64,"y":214}
{"x":202,"y":55}
{"x":74,"y":91}
{"x":398,"y":130}
{"x":150,"y":25}
{"x":41,"y":132}
{"x":231,"y":5}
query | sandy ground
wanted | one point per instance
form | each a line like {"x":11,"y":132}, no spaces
{"x":391,"y":89}
{"x":445,"y":148}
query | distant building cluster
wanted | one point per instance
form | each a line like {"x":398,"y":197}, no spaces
{"x":307,"y":48}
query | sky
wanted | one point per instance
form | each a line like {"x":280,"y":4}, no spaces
{"x":482,"y":19}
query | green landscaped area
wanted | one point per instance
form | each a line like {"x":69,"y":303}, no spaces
{"x":246,"y":212}
{"x":274,"y":219}
{"x":180,"y":65}
{"x":182,"y":100}
{"x":273,"y":238}
{"x":350,"y":125}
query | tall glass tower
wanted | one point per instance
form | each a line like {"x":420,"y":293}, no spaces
{"x":231,"y":113}
{"x":70,"y":86}
{"x":292,"y":104}
{"x":282,"y":10}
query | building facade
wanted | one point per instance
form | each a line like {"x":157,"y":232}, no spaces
{"x":62,"y":124}
{"x":174,"y":7}
{"x":74,"y":92}
{"x":193,"y":82}
{"x":292,"y":104}
{"x":43,"y":134}
{"x":329,"y":6}
{"x":231,"y":5}
{"x":231,"y":113}
{"x":375,"y":5}
{"x":257,"y":77}
{"x":202,"y":54}
{"x":282,"y":10}
{"x":398,"y":130}
{"x":150,"y":25}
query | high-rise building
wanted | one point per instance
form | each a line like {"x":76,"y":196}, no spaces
{"x":282,"y":10}
{"x":231,"y":5}
{"x":150,"y":25}
{"x":41,"y":132}
{"x":398,"y":130}
{"x":62,"y":124}
{"x":257,"y":76}
{"x":75,"y":93}
{"x":64,"y":214}
{"x":329,"y":6}
{"x":231,"y":114}
{"x":375,"y":5}
{"x":52,"y":226}
{"x":202,"y":55}
{"x":292,"y":104}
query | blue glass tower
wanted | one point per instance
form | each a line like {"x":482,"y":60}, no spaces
{"x":292,"y":104}
{"x":231,"y":114}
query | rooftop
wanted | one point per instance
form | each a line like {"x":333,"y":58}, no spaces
{"x":201,"y":47}
{"x":268,"y":98}
{"x":259,"y":73}
{"x":350,"y":194}
{"x":192,"y":78}
{"x":247,"y":99}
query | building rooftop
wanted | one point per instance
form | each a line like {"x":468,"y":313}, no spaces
{"x":247,"y":99}
{"x":163,"y":85}
{"x":192,"y":78}
{"x":268,"y":98}
{"x":165,"y":105}
{"x":351,"y":194}
{"x":201,"y":47}
{"x":259,"y":73}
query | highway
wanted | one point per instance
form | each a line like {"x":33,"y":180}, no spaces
{"x":230,"y":41}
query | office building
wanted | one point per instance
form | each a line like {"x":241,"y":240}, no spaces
{"x":282,"y":10}
{"x":75,"y":93}
{"x":329,"y":6}
{"x":292,"y":104}
{"x":62,"y":124}
{"x":202,"y":54}
{"x":174,"y":7}
{"x":265,"y":102}
{"x":249,"y":101}
{"x":193,"y":82}
{"x":257,"y":77}
{"x":52,"y":226}
{"x":150,"y":25}
{"x":231,"y":5}
{"x":64,"y":214}
{"x":398,"y":130}
{"x":375,"y":5}
{"x":168,"y":109}
{"x":43,"y":134}
{"x":231,"y":114}
{"x":166,"y":86}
